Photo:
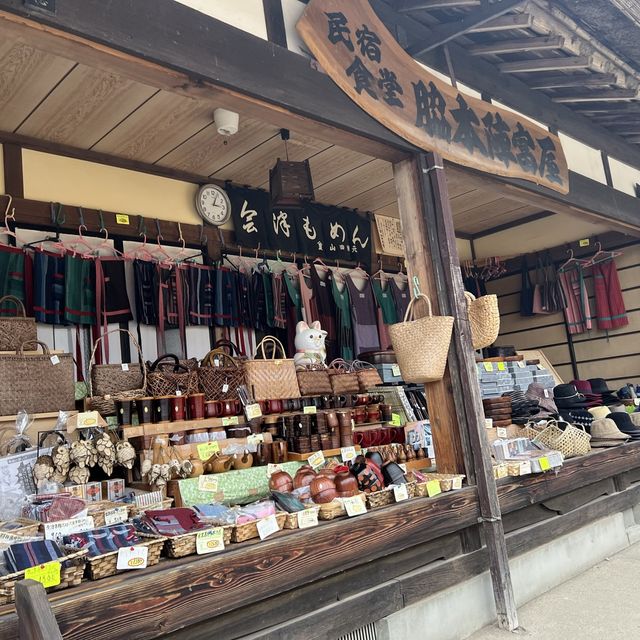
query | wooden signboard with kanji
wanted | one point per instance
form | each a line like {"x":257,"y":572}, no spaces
{"x":389,"y":235}
{"x":354,"y":47}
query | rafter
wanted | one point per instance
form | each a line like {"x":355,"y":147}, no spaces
{"x":505,"y":23}
{"x":418,"y":5}
{"x":518,"y":45}
{"x":450,"y":30}
{"x":582,"y":80}
{"x":596,"y":96}
{"x":546,"y":64}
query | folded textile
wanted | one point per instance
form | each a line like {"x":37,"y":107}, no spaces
{"x":103,"y":540}
{"x":171,"y":522}
{"x":23,"y":555}
{"x":216,"y":514}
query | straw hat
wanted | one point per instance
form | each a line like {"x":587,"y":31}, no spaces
{"x":599,"y":412}
{"x":605,"y":433}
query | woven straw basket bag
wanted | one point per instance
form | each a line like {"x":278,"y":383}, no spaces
{"x":271,"y":378}
{"x":421,"y":345}
{"x":484,"y":318}
{"x":16,"y":330}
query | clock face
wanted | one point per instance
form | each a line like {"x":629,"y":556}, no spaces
{"x":213,"y":204}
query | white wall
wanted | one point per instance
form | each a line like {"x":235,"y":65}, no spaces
{"x":624,"y":176}
{"x":583,"y":159}
{"x":247,"y":15}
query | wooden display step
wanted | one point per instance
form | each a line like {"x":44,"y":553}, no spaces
{"x":292,"y":455}
{"x":158,"y":428}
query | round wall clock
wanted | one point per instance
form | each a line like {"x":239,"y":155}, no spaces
{"x":213,"y":204}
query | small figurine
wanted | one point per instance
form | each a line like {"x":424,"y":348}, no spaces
{"x":309,"y":341}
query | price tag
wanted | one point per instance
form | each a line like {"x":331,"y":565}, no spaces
{"x":584,"y":242}
{"x":122,"y":218}
{"x":433,"y":488}
{"x":521,"y":364}
{"x":125,"y":366}
{"x":225,"y":388}
{"x":488,"y":423}
{"x":502,"y":366}
{"x":255,"y":438}
{"x":395,"y":370}
{"x":400,"y":492}
{"x":312,"y":410}
{"x":540,"y":367}
{"x":307,"y":518}
{"x":253,"y":411}
{"x":395,"y":420}
{"x":267,"y":527}
{"x":354,"y":506}
{"x":347,"y":453}
{"x":525,"y":467}
{"x":488,"y":366}
{"x":55,"y":530}
{"x":457,"y":483}
{"x":207,"y":449}
{"x":132,"y":558}
{"x":273,"y":468}
{"x":545,"y":465}
{"x":230,"y":421}
{"x":115,"y":516}
{"x":47,"y":574}
{"x":10,"y":538}
{"x":54,"y":360}
{"x":88,"y":419}
{"x":208,"y":483}
{"x":546,"y":393}
{"x":316,"y":459}
{"x":502,"y":432}
{"x":403,"y":466}
{"x":210,"y":541}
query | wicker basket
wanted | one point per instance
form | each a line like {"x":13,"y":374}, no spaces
{"x":291,"y":519}
{"x":335,"y":508}
{"x":484,"y":318}
{"x":571,"y":442}
{"x":447,"y":482}
{"x":313,"y":380}
{"x":185,"y":545}
{"x":28,"y":527}
{"x":249,"y":530}
{"x":421,"y":345}
{"x":71,"y":574}
{"x":386,"y":496}
{"x":104,"y":565}
{"x":213,"y":377}
{"x":97,"y":510}
{"x":137,"y":511}
{"x":165,"y":378}
{"x":368,"y":375}
{"x":16,"y":330}
{"x":344,"y":379}
{"x":271,"y":378}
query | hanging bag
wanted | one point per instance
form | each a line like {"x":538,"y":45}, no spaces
{"x":368,"y":375}
{"x":167,"y":375}
{"x":540,"y":289}
{"x":313,"y":380}
{"x":526,"y":289}
{"x":271,"y":378}
{"x":484,"y":318}
{"x":343,"y":377}
{"x":220,"y":375}
{"x":421,"y":345}
{"x":16,"y":330}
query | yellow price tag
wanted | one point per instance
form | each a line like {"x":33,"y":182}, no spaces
{"x":207,"y":449}
{"x":307,"y":518}
{"x":122,"y":218}
{"x":433,"y":488}
{"x":48,"y":574}
{"x":230,"y":421}
{"x":312,"y":410}
{"x":395,"y":420}
{"x":316,"y":459}
{"x":488,"y":366}
{"x":544,"y":463}
{"x":88,"y":419}
{"x":354,"y":506}
{"x":253,"y":411}
{"x":255,"y":438}
{"x":584,"y":242}
{"x":502,"y":366}
{"x":208,"y":483}
{"x":210,"y":541}
{"x":395,"y":370}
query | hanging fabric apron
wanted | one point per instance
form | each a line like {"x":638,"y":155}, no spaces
{"x":610,"y":309}
{"x":202,"y":283}
{"x":48,"y":289}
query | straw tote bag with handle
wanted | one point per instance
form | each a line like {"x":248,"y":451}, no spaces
{"x":368,"y":375}
{"x":271,"y":378}
{"x":168,"y":374}
{"x":313,"y":380}
{"x":16,"y":330}
{"x":343,"y":377}
{"x":421,"y":345}
{"x":220,"y":375}
{"x":484,"y":318}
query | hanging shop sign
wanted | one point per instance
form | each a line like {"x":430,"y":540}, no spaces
{"x":354,"y":47}
{"x":389,"y":235}
{"x":312,"y":230}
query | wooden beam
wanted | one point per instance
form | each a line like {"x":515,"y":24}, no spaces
{"x":516,"y":223}
{"x":634,"y":139}
{"x":546,"y":64}
{"x":274,"y":19}
{"x":519,"y":45}
{"x":440,"y":223}
{"x":609,"y":94}
{"x":582,"y":80}
{"x":408,"y":6}
{"x":13,"y":178}
{"x":421,"y":263}
{"x":35,"y":618}
{"x":505,"y":23}
{"x":444,"y":33}
{"x":608,"y":107}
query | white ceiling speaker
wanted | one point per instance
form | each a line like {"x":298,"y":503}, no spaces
{"x":227,"y":122}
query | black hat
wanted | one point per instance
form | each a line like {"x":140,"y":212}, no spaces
{"x":625,"y":424}
{"x":566,"y":396}
{"x":599,"y":385}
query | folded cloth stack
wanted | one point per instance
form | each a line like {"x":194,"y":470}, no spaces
{"x":55,"y":507}
{"x":625,"y":424}
{"x":591,"y":398}
{"x":170,"y":522}
{"x":544,"y":397}
{"x":103,"y":540}
{"x":522,"y":408}
{"x":605,"y":433}
{"x":599,"y":386}
{"x":22,"y":555}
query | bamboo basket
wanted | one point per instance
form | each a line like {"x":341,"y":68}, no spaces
{"x":71,"y":574}
{"x":97,"y":510}
{"x":484,"y":318}
{"x":29,"y":527}
{"x":249,"y":530}
{"x":291,"y":519}
{"x":571,"y":442}
{"x":335,"y":508}
{"x":104,"y":565}
{"x":446,"y":480}
{"x":137,"y":511}
{"x":387,"y":497}
{"x":185,"y":545}
{"x":17,"y":329}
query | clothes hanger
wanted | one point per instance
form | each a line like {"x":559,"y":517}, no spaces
{"x":82,"y":241}
{"x":321,"y":264}
{"x":7,"y":231}
{"x":57,"y":218}
{"x":601,"y":256}
{"x":571,"y":260}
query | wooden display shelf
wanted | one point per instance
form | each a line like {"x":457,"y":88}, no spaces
{"x":297,"y":457}
{"x":417,"y":465}
{"x":158,"y":428}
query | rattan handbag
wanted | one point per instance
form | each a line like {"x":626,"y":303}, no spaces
{"x":368,"y":375}
{"x":570,"y":442}
{"x":166,"y":378}
{"x":220,"y":375}
{"x":421,"y":345}
{"x":271,"y":378}
{"x":484,"y":318}
{"x":343,"y":377}
{"x":39,"y":383}
{"x":313,"y":380}
{"x":14,"y":331}
{"x":111,"y":382}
